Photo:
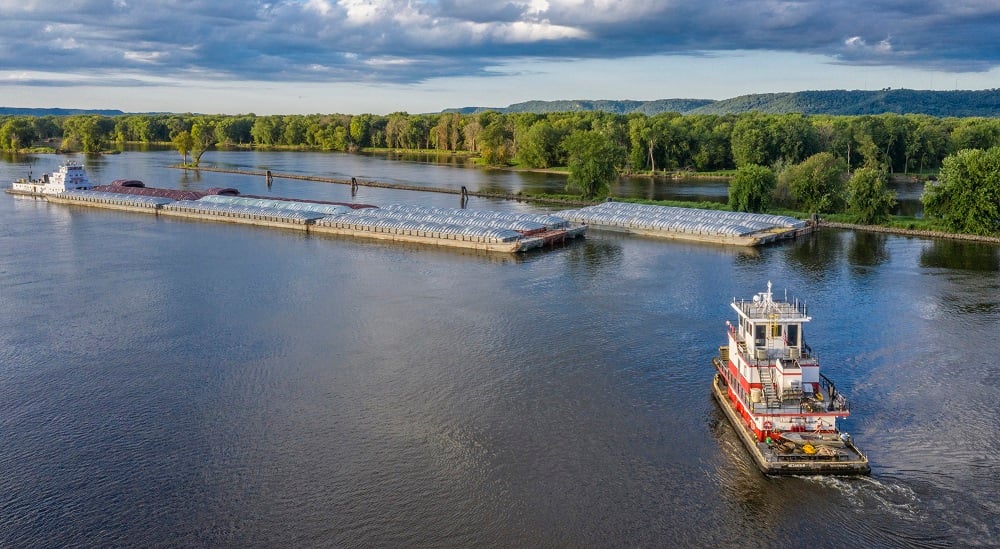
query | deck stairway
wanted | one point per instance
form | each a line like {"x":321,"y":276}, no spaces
{"x":771,"y":399}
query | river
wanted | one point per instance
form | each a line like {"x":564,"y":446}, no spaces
{"x":166,"y":382}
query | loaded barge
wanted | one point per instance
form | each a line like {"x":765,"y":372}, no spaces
{"x":691,"y":224}
{"x":769,"y":385}
{"x":451,"y":227}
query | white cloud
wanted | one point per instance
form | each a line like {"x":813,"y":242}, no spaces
{"x":144,"y":56}
{"x":858,"y":44}
{"x":366,"y":12}
{"x":321,"y":7}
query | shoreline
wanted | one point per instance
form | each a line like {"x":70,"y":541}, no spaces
{"x":911,"y":232}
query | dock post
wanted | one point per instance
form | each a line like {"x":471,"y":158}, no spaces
{"x":465,"y":197}
{"x":354,"y":186}
{"x":269,"y":179}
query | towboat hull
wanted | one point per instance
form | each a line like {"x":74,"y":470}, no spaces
{"x":848,"y":460}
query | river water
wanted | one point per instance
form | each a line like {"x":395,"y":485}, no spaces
{"x":181,"y":383}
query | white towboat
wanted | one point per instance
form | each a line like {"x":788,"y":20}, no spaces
{"x":69,"y":177}
{"x":770,"y":387}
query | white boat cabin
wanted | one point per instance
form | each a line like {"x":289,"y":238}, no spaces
{"x":69,"y":177}
{"x":769,"y":337}
{"x":771,"y":373}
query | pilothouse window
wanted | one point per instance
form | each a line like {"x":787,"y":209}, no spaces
{"x":792,"y":334}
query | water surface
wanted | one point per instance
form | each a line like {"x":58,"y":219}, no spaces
{"x":170,"y":382}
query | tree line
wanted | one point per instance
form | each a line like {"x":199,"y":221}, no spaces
{"x":652,"y":144}
{"x":814,"y":163}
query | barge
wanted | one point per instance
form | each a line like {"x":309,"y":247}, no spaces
{"x":769,"y":385}
{"x":457,"y":228}
{"x":690,"y":224}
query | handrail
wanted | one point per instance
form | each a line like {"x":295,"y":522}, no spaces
{"x":837,"y":400}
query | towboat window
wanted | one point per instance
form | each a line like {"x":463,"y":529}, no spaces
{"x":792,"y":334}
{"x":759,"y":334}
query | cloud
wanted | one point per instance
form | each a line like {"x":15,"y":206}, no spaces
{"x":405,"y":41}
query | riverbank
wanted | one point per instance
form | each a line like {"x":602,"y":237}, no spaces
{"x":910,"y":232}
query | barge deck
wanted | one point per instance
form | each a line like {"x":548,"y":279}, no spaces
{"x":468,"y":229}
{"x":690,"y":224}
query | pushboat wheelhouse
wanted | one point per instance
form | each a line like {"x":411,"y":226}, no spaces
{"x":770,"y":386}
{"x":69,"y":177}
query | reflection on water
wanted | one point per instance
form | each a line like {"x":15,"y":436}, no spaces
{"x":594,"y":258}
{"x":867,"y":249}
{"x":172,"y":382}
{"x":957,"y":254}
{"x":699,"y":189}
{"x":817,"y":254}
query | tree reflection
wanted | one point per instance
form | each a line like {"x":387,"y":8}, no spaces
{"x":867,"y":249}
{"x":817,"y":254}
{"x":594,"y":257}
{"x":957,"y":254}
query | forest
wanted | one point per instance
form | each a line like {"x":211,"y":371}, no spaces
{"x":792,"y":146}
{"x":662,"y":143}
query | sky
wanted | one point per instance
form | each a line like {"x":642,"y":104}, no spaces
{"x":420,"y":56}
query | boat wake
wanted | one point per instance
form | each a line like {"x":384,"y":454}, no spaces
{"x":897,"y":499}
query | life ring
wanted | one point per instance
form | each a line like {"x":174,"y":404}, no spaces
{"x":768,"y":426}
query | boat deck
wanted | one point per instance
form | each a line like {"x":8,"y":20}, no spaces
{"x":771,"y":458}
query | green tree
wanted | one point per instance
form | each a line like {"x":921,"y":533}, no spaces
{"x":496,"y":140}
{"x":592,"y":159}
{"x":750,"y":189}
{"x":183,"y":142}
{"x":16,"y":133}
{"x":976,"y":133}
{"x":202,"y":138}
{"x":267,"y":130}
{"x":88,"y":131}
{"x":46,"y":127}
{"x":231,"y":130}
{"x":539,"y":148}
{"x":793,"y":137}
{"x":869,"y":199}
{"x":644,"y":138}
{"x":816,"y":183}
{"x":750,"y":142}
{"x":294,"y":132}
{"x":470,"y":133}
{"x":712,"y":136}
{"x":359,"y":130}
{"x":396,"y":130}
{"x":966,"y":197}
{"x":340,"y":141}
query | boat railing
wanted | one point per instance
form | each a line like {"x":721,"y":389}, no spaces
{"x":837,"y":400}
{"x":806,"y":349}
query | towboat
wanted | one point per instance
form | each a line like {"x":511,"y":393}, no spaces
{"x":769,"y":385}
{"x":69,"y":177}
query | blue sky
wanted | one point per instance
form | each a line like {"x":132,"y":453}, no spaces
{"x":380,"y":56}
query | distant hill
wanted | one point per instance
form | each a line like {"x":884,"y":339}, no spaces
{"x":617,"y":107}
{"x":17,"y":111}
{"x":857,"y":102}
{"x":959,"y":103}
